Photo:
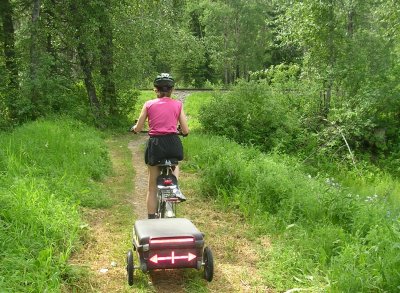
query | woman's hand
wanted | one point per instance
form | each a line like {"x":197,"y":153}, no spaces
{"x":184,"y":129}
{"x":140,"y":122}
{"x":133,"y":129}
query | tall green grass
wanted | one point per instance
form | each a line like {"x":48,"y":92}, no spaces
{"x":193,"y":103}
{"x":325,"y":236}
{"x":47,"y":169}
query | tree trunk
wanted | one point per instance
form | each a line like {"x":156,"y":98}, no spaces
{"x":88,"y":79}
{"x":350,"y":23}
{"x":12,"y":80}
{"x":84,"y":61}
{"x":34,"y":59}
{"x":327,"y":100}
{"x":49,"y":20}
{"x":107,"y":65}
{"x":226,"y":68}
{"x":331,"y":63}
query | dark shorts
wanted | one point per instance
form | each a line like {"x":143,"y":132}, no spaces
{"x":163,"y":147}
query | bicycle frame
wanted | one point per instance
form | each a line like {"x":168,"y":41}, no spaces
{"x":167,"y":186}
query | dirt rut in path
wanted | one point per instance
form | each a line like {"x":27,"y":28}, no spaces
{"x":139,"y":196}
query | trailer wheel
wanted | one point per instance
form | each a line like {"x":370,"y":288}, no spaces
{"x":208,"y":261}
{"x":130,"y":267}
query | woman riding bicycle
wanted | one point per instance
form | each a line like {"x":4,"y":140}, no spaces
{"x":163,"y":114}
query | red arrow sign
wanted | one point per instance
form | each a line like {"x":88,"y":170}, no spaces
{"x":155,"y":258}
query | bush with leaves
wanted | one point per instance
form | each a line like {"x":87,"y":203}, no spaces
{"x":270,"y":114}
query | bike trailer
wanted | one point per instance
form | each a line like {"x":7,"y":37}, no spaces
{"x":168,"y":243}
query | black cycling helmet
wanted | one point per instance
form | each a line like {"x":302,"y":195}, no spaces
{"x":164,"y":80}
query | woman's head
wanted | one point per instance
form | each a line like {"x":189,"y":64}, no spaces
{"x":164,"y":83}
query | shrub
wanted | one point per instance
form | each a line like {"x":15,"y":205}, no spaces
{"x":251,"y":113}
{"x":279,"y":113}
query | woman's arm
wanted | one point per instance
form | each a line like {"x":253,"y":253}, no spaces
{"x":183,"y":122}
{"x":142,"y":119}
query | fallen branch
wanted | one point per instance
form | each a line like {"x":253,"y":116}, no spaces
{"x":345,"y":140}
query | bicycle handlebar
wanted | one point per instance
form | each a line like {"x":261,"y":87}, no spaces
{"x":178,"y":132}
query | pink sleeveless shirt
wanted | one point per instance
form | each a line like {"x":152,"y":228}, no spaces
{"x":163,"y":115}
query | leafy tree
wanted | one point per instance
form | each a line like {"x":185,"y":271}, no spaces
{"x":35,"y":52}
{"x":314,"y":26}
{"x":109,"y":94}
{"x":227,"y":29}
{"x":350,"y":48}
{"x":79,"y":15}
{"x":11,"y":78}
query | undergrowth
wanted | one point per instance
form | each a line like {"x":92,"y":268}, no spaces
{"x":326,"y":236}
{"x":47,"y":170}
{"x":193,"y":103}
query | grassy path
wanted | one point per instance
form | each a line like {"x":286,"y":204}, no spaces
{"x":109,"y":236}
{"x":109,"y":230}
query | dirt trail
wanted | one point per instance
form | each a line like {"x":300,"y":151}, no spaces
{"x":139,"y":196}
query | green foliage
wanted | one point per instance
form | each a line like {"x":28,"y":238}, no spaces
{"x":189,"y":64}
{"x":193,"y":104}
{"x":3,"y":113}
{"x":47,"y":168}
{"x":349,"y":50}
{"x":254,"y":113}
{"x":368,"y":124}
{"x":278,"y":74}
{"x":280,"y":110}
{"x":127,"y":101}
{"x":326,"y":237}
{"x":142,"y":98}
